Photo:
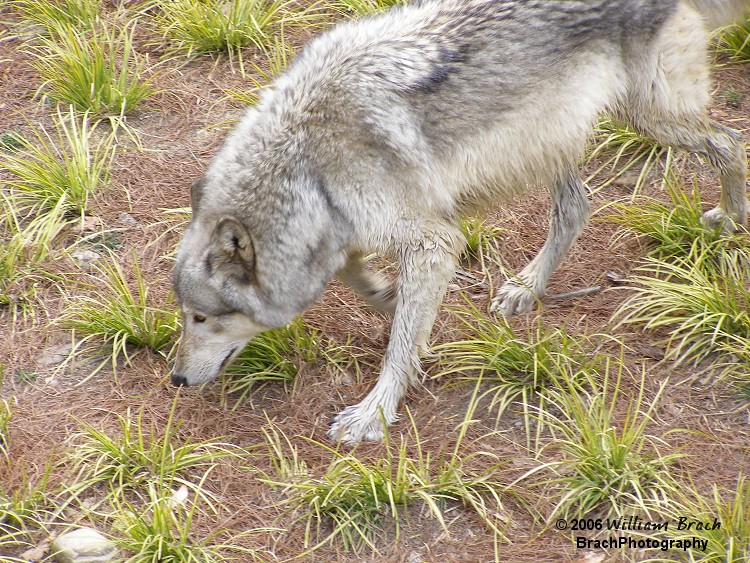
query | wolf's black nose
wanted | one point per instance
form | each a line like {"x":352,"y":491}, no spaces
{"x":179,"y":381}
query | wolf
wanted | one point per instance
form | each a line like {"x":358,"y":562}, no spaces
{"x":385,"y":131}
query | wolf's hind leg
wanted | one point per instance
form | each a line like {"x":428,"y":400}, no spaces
{"x":425,"y":267}
{"x":725,"y":151}
{"x":570,"y":211}
{"x":666,"y":100}
{"x":377,"y":291}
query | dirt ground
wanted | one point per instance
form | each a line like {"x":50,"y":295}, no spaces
{"x":180,"y":128}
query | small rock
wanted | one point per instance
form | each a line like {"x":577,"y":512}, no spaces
{"x":615,"y":278}
{"x":126,"y":219}
{"x":53,"y":355}
{"x":36,"y":553}
{"x":91,"y":224}
{"x":85,"y":258}
{"x":84,"y":545}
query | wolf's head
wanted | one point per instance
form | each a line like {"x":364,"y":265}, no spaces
{"x":248,"y":262}
{"x":214,"y":281}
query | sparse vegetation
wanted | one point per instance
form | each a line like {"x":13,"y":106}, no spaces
{"x":523,"y":420}
{"x":676,"y":228}
{"x":479,"y":238}
{"x":729,"y":540}
{"x":216,"y":27}
{"x":54,"y":16}
{"x":356,"y":8}
{"x":163,"y":531}
{"x":736,"y":40}
{"x":5,"y":414}
{"x":274,"y":355}
{"x":55,"y":174}
{"x":618,"y":150}
{"x":143,"y":461}
{"x":354,"y":500}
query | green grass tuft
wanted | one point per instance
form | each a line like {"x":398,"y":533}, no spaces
{"x":5,"y":415}
{"x":736,"y":40}
{"x":278,"y":355}
{"x":675,"y":228}
{"x":56,"y":173}
{"x":139,"y":459}
{"x":357,"y":8}
{"x":120,"y":316}
{"x":480,"y":238}
{"x":515,"y":369}
{"x":611,"y":464}
{"x":214,"y":26}
{"x":53,"y":15}
{"x":354,"y":500}
{"x":729,"y":542}
{"x":164,"y":531}
{"x":98,"y":71}
{"x":702,"y":302}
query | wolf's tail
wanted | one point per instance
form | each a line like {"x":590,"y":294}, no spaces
{"x":719,"y":13}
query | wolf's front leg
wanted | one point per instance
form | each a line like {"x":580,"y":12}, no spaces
{"x":570,"y":211}
{"x":424,"y":272}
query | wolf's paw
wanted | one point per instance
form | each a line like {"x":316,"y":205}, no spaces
{"x":357,"y":423}
{"x":718,"y":218}
{"x":513,"y":298}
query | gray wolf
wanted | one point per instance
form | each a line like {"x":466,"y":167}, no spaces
{"x":383,"y":132}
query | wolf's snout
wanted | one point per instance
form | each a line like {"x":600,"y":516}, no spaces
{"x":179,"y":380}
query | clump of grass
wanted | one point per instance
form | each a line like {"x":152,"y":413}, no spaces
{"x":356,"y":8}
{"x":140,"y":459}
{"x":57,"y":172}
{"x":119,"y":316}
{"x":278,"y":56}
{"x":24,"y":245}
{"x":163,"y":531}
{"x":273,"y":355}
{"x":24,"y":511}
{"x":98,"y":72}
{"x":611,"y":463}
{"x":675,"y":227}
{"x":623,"y":149}
{"x":522,"y":369}
{"x":702,"y":302}
{"x":277,"y":355}
{"x":285,"y":459}
{"x":736,"y":40}
{"x":213,"y":26}
{"x":355,"y":499}
{"x":479,"y":238}
{"x":81,"y":14}
{"x":729,"y":541}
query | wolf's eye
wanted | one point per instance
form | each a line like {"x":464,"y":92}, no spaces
{"x":199,"y":319}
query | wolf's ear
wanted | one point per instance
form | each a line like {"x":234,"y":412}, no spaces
{"x":196,"y":192}
{"x":231,"y":246}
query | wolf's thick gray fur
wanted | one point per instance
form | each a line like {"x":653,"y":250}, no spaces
{"x":385,"y":131}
